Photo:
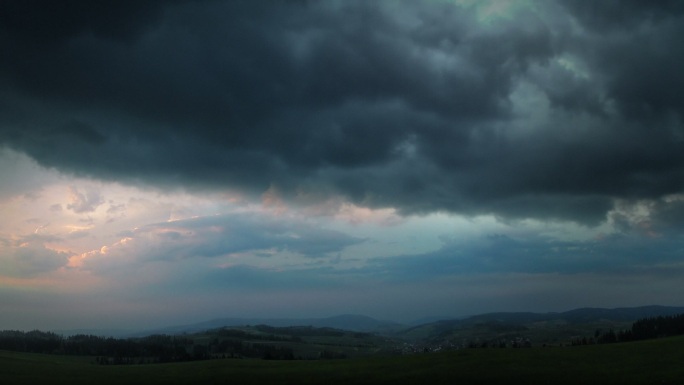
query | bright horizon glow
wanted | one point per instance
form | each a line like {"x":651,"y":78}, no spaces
{"x":119,"y":248}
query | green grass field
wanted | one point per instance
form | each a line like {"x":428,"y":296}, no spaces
{"x":646,"y":362}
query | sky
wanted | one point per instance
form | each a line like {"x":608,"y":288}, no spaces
{"x":170,"y":162}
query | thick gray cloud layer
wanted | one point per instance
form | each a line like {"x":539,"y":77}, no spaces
{"x":552,"y":113}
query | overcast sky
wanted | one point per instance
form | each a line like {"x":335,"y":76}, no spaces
{"x":164,"y":162}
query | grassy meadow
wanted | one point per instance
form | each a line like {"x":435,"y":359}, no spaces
{"x":645,"y":362}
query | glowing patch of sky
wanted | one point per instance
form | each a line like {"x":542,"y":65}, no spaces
{"x":154,"y":250}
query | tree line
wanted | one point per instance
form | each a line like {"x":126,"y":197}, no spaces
{"x":643,"y":329}
{"x":151,"y":349}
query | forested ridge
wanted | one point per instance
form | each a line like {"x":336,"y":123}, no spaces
{"x":258,"y":341}
{"x":266,"y":342}
{"x":642,"y":329}
{"x":150,"y":349}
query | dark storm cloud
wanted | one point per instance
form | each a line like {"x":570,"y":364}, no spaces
{"x":415,"y":105}
{"x":46,"y":22}
{"x":635,"y":47}
{"x":622,"y":14}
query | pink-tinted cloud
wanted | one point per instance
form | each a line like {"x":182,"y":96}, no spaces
{"x":84,"y":202}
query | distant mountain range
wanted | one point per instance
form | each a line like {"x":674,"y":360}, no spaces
{"x":361,"y":323}
{"x":582,"y":315}
{"x":351,"y":322}
{"x":552,"y":326}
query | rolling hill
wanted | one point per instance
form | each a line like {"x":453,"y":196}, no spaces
{"x":539,"y":328}
{"x":350,"y":322}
